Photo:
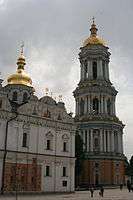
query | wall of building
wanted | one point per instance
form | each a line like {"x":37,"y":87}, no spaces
{"x":110,"y":172}
{"x":39,"y":129}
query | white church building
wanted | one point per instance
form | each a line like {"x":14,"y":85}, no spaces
{"x":37,"y":138}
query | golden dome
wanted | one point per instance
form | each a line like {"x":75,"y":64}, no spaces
{"x":93,"y":39}
{"x":20,"y":77}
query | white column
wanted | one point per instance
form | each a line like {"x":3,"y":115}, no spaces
{"x":111,"y":111}
{"x":101,"y":103}
{"x":101,"y":140}
{"x":91,"y":141}
{"x":89,"y":104}
{"x":113,"y":106}
{"x":76,"y":107}
{"x":105,"y":140}
{"x":112,"y":142}
{"x":88,"y":138}
{"x":105,"y":105}
{"x":106,"y":73}
{"x":107,"y":65}
{"x":81,"y":71}
{"x":83,"y":139}
{"x":100,"y":69}
{"x":90,"y":68}
{"x":108,"y":138}
{"x":119,"y":142}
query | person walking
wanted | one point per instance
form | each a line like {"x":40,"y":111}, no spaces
{"x":101,"y":191}
{"x":121,"y":186}
{"x":128,"y":185}
{"x":91,"y":191}
{"x":131,"y":187}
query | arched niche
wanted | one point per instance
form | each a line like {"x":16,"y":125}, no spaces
{"x":94,"y":69}
{"x":96,"y":105}
{"x":81,"y":107}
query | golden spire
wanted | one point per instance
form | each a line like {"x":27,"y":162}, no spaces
{"x":93,"y":28}
{"x":20,"y":77}
{"x":93,"y":39}
{"x":21,"y":59}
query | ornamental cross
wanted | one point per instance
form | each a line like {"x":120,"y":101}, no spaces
{"x":93,"y":19}
{"x":22,"y":47}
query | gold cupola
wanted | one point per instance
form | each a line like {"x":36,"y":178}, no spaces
{"x":20,"y":77}
{"x":93,"y":39}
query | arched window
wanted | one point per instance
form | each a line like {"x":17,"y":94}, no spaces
{"x":25,"y":97}
{"x":81,"y":107}
{"x":94,"y":70}
{"x":24,"y":143}
{"x":109,"y":106}
{"x":96,"y":143}
{"x":95,"y":105}
{"x":47,"y":114}
{"x":103,"y":66}
{"x":15,"y":96}
{"x":85,"y":69}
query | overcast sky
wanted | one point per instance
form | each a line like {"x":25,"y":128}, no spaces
{"x":53,"y":31}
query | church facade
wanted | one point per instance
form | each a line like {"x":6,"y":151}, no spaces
{"x":37,"y":139}
{"x":99,"y":127}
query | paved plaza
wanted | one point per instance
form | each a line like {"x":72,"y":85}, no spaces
{"x":109,"y":194}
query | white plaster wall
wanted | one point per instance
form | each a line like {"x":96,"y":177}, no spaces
{"x":37,"y":144}
{"x":53,"y":183}
{"x":2,"y":133}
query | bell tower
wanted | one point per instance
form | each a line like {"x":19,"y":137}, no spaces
{"x":98,"y":125}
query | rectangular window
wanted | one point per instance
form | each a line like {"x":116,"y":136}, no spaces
{"x":0,"y":103}
{"x":24,"y":143}
{"x":103,"y":65}
{"x":48,"y":144}
{"x":64,"y":146}
{"x":64,"y":183}
{"x":64,"y":171}
{"x":47,"y":170}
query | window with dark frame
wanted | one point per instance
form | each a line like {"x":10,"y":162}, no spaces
{"x":47,"y":170}
{"x":48,"y":144}
{"x":15,"y":96}
{"x":25,"y":97}
{"x":94,"y":70}
{"x":64,"y":146}
{"x":64,"y":183}
{"x":0,"y":103}
{"x":96,"y":105}
{"x":64,"y":171}
{"x":24,"y":143}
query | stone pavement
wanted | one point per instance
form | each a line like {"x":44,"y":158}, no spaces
{"x":109,"y":194}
